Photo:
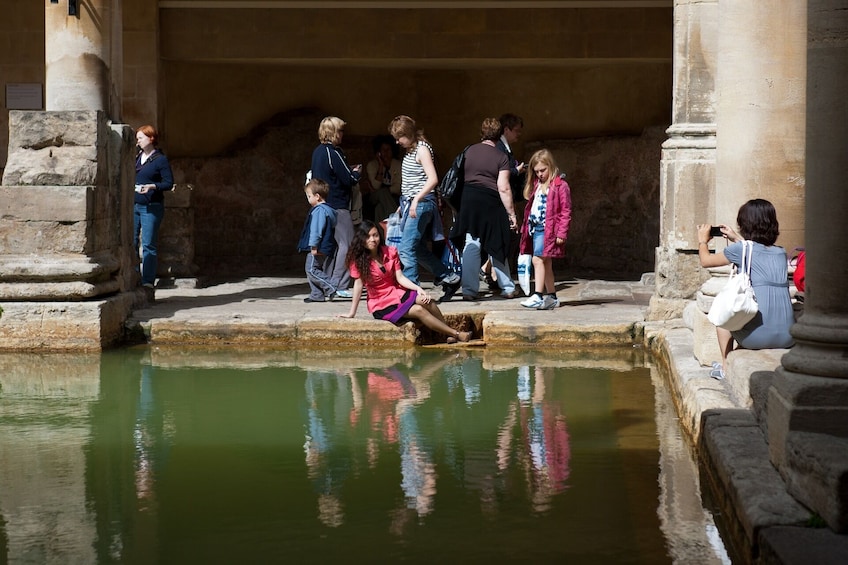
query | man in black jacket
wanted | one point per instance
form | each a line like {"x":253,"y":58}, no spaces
{"x":512,"y":127}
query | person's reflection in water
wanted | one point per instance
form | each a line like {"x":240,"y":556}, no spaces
{"x":418,"y":470}
{"x":543,"y":450}
{"x":330,"y":401}
{"x":151,"y":454}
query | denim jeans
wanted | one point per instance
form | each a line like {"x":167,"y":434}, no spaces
{"x":539,"y":243}
{"x":319,"y":283}
{"x":413,"y":243}
{"x":146,"y":221}
{"x":471,"y":262}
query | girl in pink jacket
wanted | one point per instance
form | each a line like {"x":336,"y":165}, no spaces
{"x":547,"y":217}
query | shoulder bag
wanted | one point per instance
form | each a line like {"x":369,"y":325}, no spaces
{"x":450,"y":189}
{"x":735,"y":305}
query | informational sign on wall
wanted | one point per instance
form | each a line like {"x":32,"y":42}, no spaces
{"x":24,"y":96}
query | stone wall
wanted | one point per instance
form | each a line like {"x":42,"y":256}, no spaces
{"x":615,"y":203}
{"x":249,"y":205}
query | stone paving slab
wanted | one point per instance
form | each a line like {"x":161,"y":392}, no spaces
{"x":271,"y":311}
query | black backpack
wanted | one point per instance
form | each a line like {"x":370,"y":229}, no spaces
{"x":450,"y":189}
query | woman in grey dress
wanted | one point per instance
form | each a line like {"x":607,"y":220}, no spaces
{"x":757,"y":221}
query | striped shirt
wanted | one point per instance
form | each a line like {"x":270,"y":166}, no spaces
{"x":413,"y":176}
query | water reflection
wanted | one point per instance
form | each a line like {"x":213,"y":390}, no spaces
{"x":161,"y":456}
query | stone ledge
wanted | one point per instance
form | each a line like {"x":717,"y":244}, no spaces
{"x":693,"y":388}
{"x":742,"y":363}
{"x":56,"y":266}
{"x":502,"y":328}
{"x":746,"y":486}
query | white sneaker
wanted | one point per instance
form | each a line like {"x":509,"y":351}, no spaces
{"x":534,"y":301}
{"x":548,"y":303}
{"x":450,"y":278}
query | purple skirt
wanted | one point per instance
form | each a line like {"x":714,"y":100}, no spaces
{"x":394,"y":313}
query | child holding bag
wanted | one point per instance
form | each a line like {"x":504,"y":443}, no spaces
{"x":544,"y":231}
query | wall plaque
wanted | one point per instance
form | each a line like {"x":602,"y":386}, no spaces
{"x":24,"y":96}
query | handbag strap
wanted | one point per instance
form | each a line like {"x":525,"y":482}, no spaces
{"x":747,"y":250}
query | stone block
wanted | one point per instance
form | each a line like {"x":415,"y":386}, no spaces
{"x":665,"y":308}
{"x":66,"y":290}
{"x":746,"y":487}
{"x":689,"y":314}
{"x":501,"y":329}
{"x":21,"y":237}
{"x":64,"y":326}
{"x":56,"y":148}
{"x":803,"y":403}
{"x":46,"y":203}
{"x":759,"y":385}
{"x":705,"y":348}
{"x":741,"y":363}
{"x":788,"y":544}
{"x":678,"y":275}
{"x":46,"y":267}
{"x":817,"y":475}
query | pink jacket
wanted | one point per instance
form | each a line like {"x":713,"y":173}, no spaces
{"x":557,"y":219}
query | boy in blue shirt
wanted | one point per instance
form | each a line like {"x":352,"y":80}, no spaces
{"x":318,"y":241}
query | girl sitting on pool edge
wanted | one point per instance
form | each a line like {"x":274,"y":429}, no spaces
{"x":391,"y":295}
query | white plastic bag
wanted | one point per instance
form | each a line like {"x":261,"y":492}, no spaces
{"x":393,"y":231}
{"x":735,"y":305}
{"x":525,"y":269}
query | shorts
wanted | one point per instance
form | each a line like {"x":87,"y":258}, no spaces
{"x":539,"y":243}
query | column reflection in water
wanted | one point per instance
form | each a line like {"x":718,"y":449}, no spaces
{"x":221,"y":456}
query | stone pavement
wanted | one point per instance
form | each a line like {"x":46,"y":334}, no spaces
{"x":271,"y":311}
{"x":762,"y":522}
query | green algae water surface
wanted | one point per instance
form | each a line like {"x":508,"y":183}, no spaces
{"x":473,"y":456}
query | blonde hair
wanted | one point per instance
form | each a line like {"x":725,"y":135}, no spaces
{"x":544,"y":157}
{"x":404,"y":126}
{"x":490,"y":130}
{"x":328,"y":131}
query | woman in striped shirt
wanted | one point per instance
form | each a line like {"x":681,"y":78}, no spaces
{"x":418,"y":204}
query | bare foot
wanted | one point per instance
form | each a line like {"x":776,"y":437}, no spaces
{"x":463,"y":336}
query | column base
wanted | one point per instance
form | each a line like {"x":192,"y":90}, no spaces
{"x":808,"y":441}
{"x":65,"y":326}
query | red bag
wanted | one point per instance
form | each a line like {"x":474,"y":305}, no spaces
{"x":798,"y":277}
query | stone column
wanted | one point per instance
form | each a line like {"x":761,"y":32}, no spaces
{"x":760,"y":92}
{"x":808,"y":403}
{"x":83,"y":57}
{"x":66,"y":263}
{"x":760,"y":111}
{"x":687,"y":177}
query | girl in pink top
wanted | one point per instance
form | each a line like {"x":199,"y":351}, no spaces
{"x":391,"y":296}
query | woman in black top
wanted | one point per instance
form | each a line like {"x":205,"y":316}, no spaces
{"x":153,"y":177}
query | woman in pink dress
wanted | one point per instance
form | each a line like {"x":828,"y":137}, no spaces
{"x":391,"y":295}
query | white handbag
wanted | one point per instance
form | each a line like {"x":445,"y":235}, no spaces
{"x":735,"y":305}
